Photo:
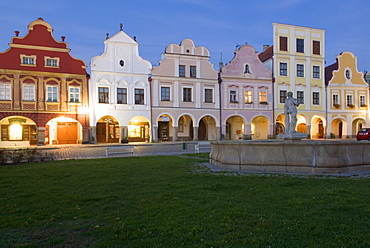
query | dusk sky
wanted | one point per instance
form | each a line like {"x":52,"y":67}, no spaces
{"x":218,"y":25}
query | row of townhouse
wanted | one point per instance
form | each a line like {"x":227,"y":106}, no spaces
{"x":47,"y":97}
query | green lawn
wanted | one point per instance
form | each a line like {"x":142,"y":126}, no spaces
{"x":173,"y":201}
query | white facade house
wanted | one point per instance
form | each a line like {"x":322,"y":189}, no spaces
{"x":119,"y":92}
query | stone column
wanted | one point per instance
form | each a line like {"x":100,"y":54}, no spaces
{"x":124,"y":133}
{"x":175,"y":130}
{"x":247,"y":132}
{"x":41,"y":136}
{"x":195,"y":133}
{"x":155,"y":134}
{"x":218,"y":135}
{"x":308,"y":131}
{"x":93,"y":134}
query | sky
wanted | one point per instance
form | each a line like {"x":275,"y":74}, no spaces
{"x":218,"y":25}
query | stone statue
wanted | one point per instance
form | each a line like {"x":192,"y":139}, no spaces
{"x":290,"y":112}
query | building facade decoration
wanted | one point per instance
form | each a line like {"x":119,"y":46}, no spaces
{"x":43,"y":91}
{"x":120,"y":92}
{"x":297,"y":60}
{"x":347,"y":97}
{"x":184,"y":87}
{"x":246,"y":97}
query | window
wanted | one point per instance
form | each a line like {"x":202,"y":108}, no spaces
{"x":181,"y":70}
{"x":28,"y":60}
{"x":350,"y":101}
{"x":283,"y":95}
{"x":246,"y":70}
{"x":51,"y":62}
{"x":300,"y":70}
{"x":139,"y":96}
{"x":103,"y":95}
{"x":283,"y":69}
{"x":335,"y":98}
{"x":208,"y":95}
{"x":165,"y":93}
{"x":300,"y":97}
{"x":362,"y":101}
{"x":233,"y":96}
{"x":348,"y":74}
{"x":121,"y":96}
{"x":263,"y":97}
{"x":74,"y":94}
{"x":316,"y":47}
{"x":316,"y":71}
{"x":181,"y":125}
{"x":52,"y":94}
{"x":283,"y":43}
{"x":248,"y":96}
{"x":5,"y":91}
{"x":186,"y":96}
{"x":193,"y":71}
{"x":300,"y":45}
{"x":28,"y":92}
{"x":315,"y":98}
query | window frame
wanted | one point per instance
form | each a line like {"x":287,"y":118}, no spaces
{"x":103,"y":96}
{"x":248,"y":96}
{"x":283,"y":43}
{"x":51,"y":94}
{"x":208,"y":97}
{"x":139,"y":96}
{"x":315,"y":98}
{"x":187,"y":95}
{"x":299,"y":45}
{"x":26,"y":93}
{"x":193,"y":71}
{"x":282,"y":96}
{"x":165,"y":93}
{"x":349,"y":100}
{"x":76,"y":95}
{"x":262,"y":95}
{"x":316,"y":73}
{"x":121,"y":96}
{"x":5,"y":91}
{"x":335,"y":99}
{"x":233,"y":96}
{"x":24,"y":58}
{"x":300,"y":70}
{"x":316,"y":47}
{"x":283,"y":69}
{"x":56,"y":60}
{"x":182,"y":71}
{"x":300,"y":96}
{"x":362,"y":100}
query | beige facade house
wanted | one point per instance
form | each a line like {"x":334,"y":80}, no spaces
{"x":347,"y":96}
{"x":184,"y":95}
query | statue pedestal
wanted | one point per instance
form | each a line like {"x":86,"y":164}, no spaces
{"x":293,"y":136}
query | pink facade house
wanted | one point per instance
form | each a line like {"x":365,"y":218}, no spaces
{"x":246,"y":97}
{"x":185,"y":92}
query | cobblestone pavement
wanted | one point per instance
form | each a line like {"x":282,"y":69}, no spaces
{"x":91,"y":151}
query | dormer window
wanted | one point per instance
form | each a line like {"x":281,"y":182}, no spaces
{"x":51,"y":62}
{"x":246,"y":69}
{"x":28,"y":60}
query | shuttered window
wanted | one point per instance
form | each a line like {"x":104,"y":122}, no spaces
{"x":283,"y":43}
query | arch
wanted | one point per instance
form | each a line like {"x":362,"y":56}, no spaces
{"x":185,"y":130}
{"x":140,"y":84}
{"x":235,"y":127}
{"x":210,"y":115}
{"x":18,"y":130}
{"x":165,"y":131}
{"x":337,"y":127}
{"x":318,"y":127}
{"x":260,"y":127}
{"x":107,"y":130}
{"x":63,"y":130}
{"x":207,"y":128}
{"x":139,"y":129}
{"x":357,"y":124}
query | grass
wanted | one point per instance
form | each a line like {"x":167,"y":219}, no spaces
{"x":173,"y":201}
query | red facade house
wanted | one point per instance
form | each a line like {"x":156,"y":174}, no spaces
{"x":43,"y":91}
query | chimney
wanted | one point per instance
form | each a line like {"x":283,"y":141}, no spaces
{"x":16,"y":33}
{"x":265,"y":47}
{"x":63,"y":38}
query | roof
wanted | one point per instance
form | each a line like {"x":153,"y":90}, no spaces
{"x":329,"y":71}
{"x":267,"y":54}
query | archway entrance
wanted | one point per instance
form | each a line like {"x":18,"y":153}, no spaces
{"x":207,"y":128}
{"x":164,"y":128}
{"x":185,"y":131}
{"x":317,"y":128}
{"x":259,"y":127}
{"x":18,"y":130}
{"x":107,"y":130}
{"x":234,"y":128}
{"x":138,"y":129}
{"x":63,"y":130}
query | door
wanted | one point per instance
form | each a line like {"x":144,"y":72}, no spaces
{"x":101,"y":133}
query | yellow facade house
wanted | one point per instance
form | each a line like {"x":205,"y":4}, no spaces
{"x":348,"y":95}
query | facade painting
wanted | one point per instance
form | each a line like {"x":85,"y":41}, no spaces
{"x":246,"y":97}
{"x":120,"y":92}
{"x":184,"y":90}
{"x":297,"y":59}
{"x":43,"y":91}
{"x":347,"y":96}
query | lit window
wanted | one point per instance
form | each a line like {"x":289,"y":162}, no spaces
{"x":28,"y":92}
{"x":121,"y":95}
{"x":139,"y":96}
{"x":263,"y":97}
{"x":5,"y":91}
{"x":52,"y":94}
{"x":74,"y":94}
{"x":248,"y":96}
